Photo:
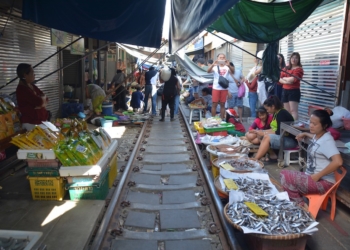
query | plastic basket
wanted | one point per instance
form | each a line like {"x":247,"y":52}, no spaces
{"x":90,"y":191}
{"x":198,"y":127}
{"x":43,"y":172}
{"x":47,"y":188}
{"x":222,"y":127}
{"x":346,"y":122}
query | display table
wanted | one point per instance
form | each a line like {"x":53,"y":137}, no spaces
{"x":343,"y":193}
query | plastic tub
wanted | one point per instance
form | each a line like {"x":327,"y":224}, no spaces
{"x":222,"y":127}
{"x":107,"y":108}
{"x":106,"y":123}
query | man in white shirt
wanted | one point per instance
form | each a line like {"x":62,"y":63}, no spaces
{"x":221,"y":67}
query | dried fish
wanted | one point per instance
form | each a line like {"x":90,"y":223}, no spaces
{"x":284,"y":217}
{"x":253,"y":186}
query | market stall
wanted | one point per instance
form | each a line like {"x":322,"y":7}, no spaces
{"x":68,"y":158}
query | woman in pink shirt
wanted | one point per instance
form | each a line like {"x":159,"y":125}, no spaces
{"x":262,"y":122}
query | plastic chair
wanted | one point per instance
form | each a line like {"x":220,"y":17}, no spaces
{"x":318,"y":200}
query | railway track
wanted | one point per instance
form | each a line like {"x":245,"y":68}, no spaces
{"x":164,"y":199}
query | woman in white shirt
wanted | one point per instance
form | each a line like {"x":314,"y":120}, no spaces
{"x":323,"y":158}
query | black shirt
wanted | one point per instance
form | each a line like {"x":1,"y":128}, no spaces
{"x":283,"y":116}
{"x":149,"y":75}
{"x":170,"y":86}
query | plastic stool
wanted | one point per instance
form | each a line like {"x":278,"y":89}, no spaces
{"x":287,"y":153}
{"x":200,"y":114}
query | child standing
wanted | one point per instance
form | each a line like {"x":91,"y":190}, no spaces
{"x":136,"y":99}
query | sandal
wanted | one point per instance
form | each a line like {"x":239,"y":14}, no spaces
{"x":267,"y":159}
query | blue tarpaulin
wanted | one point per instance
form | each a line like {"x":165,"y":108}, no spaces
{"x":190,"y":17}
{"x":135,"y":22}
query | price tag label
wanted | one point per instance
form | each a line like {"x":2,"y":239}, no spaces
{"x":256,"y":209}
{"x":230,"y":184}
{"x":81,"y":149}
{"x":227,"y":166}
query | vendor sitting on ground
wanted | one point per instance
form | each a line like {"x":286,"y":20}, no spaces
{"x":97,"y":96}
{"x":323,"y":158}
{"x":231,"y":117}
{"x":206,"y":96}
{"x":271,"y":137}
{"x":136,"y":98}
{"x":262,"y":122}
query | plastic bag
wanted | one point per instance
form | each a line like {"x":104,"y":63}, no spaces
{"x":338,"y":114}
{"x":241,"y":91}
{"x":208,"y":114}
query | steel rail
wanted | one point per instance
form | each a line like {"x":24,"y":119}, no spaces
{"x":227,"y":228}
{"x":96,"y":244}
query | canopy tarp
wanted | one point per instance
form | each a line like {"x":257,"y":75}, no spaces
{"x":142,"y":55}
{"x":135,"y":22}
{"x":190,"y":17}
{"x":263,"y":22}
{"x":193,"y":69}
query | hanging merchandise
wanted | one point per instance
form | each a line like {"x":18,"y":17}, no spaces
{"x":256,"y":22}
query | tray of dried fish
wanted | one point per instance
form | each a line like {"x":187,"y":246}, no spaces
{"x":284,"y":220}
{"x":238,"y":164}
{"x":247,"y":185}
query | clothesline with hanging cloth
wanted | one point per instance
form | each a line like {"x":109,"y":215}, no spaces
{"x":313,"y":85}
{"x":265,"y":23}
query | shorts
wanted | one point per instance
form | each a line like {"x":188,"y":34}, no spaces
{"x":288,"y":142}
{"x":291,"y":95}
{"x":234,"y":101}
{"x":219,"y":96}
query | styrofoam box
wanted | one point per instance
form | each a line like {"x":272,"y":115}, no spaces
{"x":44,"y":154}
{"x":93,"y":169}
{"x":32,"y":236}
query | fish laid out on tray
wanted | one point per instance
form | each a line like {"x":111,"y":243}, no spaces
{"x":272,"y":216}
{"x":240,"y":164}
{"x":248,"y":185}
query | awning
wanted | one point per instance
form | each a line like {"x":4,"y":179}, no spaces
{"x":142,"y":55}
{"x":135,"y":22}
{"x":193,"y":69}
{"x":261,"y":22}
{"x":190,"y":17}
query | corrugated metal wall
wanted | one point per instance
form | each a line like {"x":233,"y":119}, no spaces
{"x":235,"y":55}
{"x":24,"y":42}
{"x":318,"y":40}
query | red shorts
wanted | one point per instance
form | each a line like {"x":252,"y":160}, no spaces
{"x":219,"y":96}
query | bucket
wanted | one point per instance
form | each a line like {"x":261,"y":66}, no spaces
{"x":106,"y":123}
{"x":107,"y":108}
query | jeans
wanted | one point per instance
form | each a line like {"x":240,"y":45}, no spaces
{"x":253,"y":98}
{"x":149,"y":90}
{"x":176,"y":105}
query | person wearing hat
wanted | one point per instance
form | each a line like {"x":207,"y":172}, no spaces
{"x":231,"y":115}
{"x":262,"y":122}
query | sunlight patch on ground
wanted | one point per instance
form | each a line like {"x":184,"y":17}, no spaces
{"x":57,"y":211}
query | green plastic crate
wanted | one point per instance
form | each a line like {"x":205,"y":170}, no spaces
{"x":90,"y":190}
{"x":43,"y":172}
{"x":222,"y":127}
